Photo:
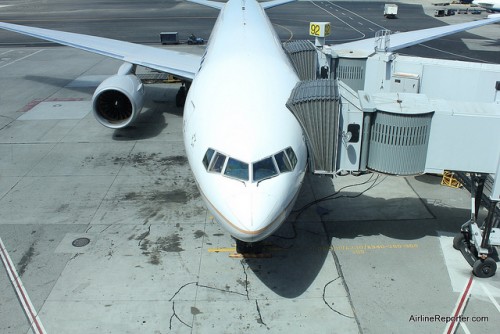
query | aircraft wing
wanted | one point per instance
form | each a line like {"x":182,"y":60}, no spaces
{"x":274,"y":3}
{"x":208,"y":3}
{"x":220,"y":5}
{"x":181,"y":64}
{"x":405,"y":39}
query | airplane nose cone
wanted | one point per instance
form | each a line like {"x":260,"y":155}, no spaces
{"x":251,"y":210}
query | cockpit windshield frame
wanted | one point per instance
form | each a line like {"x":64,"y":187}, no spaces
{"x":271,"y":166}
{"x":237,"y":169}
{"x":264,"y":169}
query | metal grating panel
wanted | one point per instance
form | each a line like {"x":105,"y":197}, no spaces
{"x":315,"y":104}
{"x":304,"y":58}
{"x":398,"y":143}
{"x":352,"y":72}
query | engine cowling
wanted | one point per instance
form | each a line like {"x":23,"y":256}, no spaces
{"x":118,"y":100}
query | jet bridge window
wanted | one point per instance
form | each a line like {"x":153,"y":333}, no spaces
{"x":264,"y":169}
{"x":236,"y":169}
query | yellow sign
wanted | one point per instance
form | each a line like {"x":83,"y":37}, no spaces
{"x":319,"y":29}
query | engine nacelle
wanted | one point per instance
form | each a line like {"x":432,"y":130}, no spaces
{"x":118,"y":100}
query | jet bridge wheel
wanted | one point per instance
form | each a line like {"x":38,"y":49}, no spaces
{"x":462,"y":243}
{"x":484,"y":268}
{"x":458,"y":241}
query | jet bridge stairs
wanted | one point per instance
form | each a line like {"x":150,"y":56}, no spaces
{"x":405,"y":115}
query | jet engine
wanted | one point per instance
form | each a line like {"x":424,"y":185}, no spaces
{"x":118,"y":100}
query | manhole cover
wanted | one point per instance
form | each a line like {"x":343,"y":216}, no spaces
{"x":80,"y":242}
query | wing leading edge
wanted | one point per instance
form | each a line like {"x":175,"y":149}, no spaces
{"x":208,"y":3}
{"x":274,"y":3}
{"x":186,"y":65}
{"x":405,"y":39}
{"x":220,"y":5}
{"x":181,"y":64}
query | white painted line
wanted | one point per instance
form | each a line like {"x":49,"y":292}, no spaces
{"x":459,"y":270}
{"x":3,"y":53}
{"x":29,"y":309}
{"x":492,"y":299}
{"x":459,"y":307}
{"x":363,"y":35}
{"x":356,"y":14}
{"x":15,"y":61}
{"x":465,"y":328}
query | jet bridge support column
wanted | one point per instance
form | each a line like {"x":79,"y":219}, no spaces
{"x":476,"y":243}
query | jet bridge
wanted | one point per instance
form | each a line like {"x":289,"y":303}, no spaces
{"x":405,"y":115}
{"x":397,"y":114}
{"x":303,"y":55}
{"x":315,"y":103}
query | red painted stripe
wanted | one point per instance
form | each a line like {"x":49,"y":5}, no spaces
{"x":12,"y":271}
{"x":460,"y":304}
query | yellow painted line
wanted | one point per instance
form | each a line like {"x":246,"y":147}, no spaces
{"x":364,"y":248}
{"x":222,"y":250}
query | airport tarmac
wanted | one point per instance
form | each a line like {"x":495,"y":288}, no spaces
{"x":375,"y":258}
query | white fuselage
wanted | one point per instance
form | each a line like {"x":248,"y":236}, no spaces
{"x":493,"y":6}
{"x":236,"y":107}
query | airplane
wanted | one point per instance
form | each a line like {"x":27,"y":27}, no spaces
{"x":492,"y":6}
{"x":247,"y":151}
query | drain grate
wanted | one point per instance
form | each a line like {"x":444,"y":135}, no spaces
{"x":81,"y":242}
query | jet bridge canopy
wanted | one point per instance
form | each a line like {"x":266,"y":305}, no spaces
{"x":304,"y":57}
{"x":315,"y":103}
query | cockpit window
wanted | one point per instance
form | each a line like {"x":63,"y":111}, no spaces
{"x":264,"y":169}
{"x":236,"y":169}
{"x":283,"y":162}
{"x":218,"y":163}
{"x":208,"y":157}
{"x":291,"y":156}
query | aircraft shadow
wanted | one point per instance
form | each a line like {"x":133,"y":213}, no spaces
{"x":299,"y":249}
{"x":302,"y":246}
{"x":406,"y":218}
{"x":83,"y":87}
{"x":159,"y":100}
